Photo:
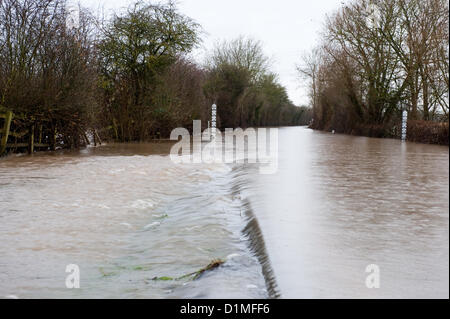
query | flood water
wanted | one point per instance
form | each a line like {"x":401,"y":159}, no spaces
{"x":126,"y":214}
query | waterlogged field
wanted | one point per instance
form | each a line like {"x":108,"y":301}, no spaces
{"x":139,"y":226}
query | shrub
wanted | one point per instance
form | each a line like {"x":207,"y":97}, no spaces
{"x":428,"y":132}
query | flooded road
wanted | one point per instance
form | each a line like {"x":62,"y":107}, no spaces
{"x":340,"y":203}
{"x":126,"y":214}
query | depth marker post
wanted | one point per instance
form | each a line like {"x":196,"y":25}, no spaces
{"x":404,"y":125}
{"x":213,"y":121}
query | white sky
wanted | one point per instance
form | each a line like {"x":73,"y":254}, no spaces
{"x":287,"y":28}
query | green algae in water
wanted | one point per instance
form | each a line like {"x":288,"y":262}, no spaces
{"x":107,"y":274}
{"x":160,"y":217}
{"x":141,"y":268}
{"x":163,"y":279}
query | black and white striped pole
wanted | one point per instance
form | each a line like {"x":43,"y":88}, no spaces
{"x":213,"y":121}
{"x":404,"y":125}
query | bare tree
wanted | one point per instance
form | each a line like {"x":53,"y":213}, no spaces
{"x":377,"y":58}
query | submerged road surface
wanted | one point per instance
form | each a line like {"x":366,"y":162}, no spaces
{"x":127,"y":215}
{"x":340,"y":203}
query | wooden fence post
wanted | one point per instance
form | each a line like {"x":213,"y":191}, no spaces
{"x":95,"y":137}
{"x":98,"y":137}
{"x":7,"y":127}
{"x":53,"y":139}
{"x":116,"y":133}
{"x":40,"y":133}
{"x":31,"y":142}
{"x":86,"y":140}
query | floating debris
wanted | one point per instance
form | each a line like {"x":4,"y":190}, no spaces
{"x":195,"y":275}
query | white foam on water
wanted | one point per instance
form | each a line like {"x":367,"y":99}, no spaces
{"x":233,"y":256}
{"x":152,"y":225}
{"x":142,"y":204}
{"x":114,"y":231}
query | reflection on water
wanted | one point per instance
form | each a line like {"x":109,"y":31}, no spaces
{"x":126,"y":214}
{"x":340,"y":203}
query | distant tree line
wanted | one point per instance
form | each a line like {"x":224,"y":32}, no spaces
{"x":239,"y":80}
{"x":378,"y":58}
{"x":128,"y":76}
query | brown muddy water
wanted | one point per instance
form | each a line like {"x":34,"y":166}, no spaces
{"x":126,"y":214}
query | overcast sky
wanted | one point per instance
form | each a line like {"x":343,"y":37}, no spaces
{"x":287,"y":28}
